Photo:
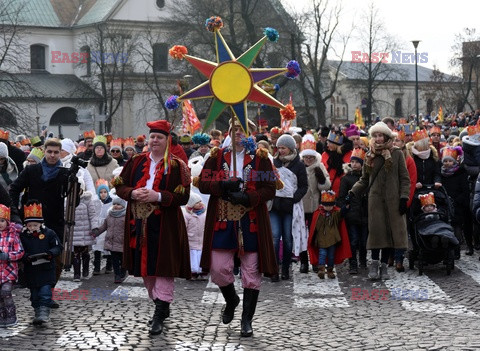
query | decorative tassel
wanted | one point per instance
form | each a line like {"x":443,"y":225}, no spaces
{"x":179,"y":189}
{"x":166,"y":156}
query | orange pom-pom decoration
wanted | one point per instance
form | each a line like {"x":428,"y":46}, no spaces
{"x":288,"y":113}
{"x":178,"y":52}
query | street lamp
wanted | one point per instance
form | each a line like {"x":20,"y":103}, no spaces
{"x":415,"y":45}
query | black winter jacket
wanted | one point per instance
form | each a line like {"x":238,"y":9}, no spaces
{"x":458,"y":189}
{"x":357,"y":214}
{"x":428,"y":171}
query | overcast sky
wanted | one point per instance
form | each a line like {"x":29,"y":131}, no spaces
{"x":435,"y":23}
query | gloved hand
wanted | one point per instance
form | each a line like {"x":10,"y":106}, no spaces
{"x":95,"y":232}
{"x":3,"y":256}
{"x":30,"y":259}
{"x":349,"y":197}
{"x":231,"y":185}
{"x":239,"y":198}
{"x":319,"y":175}
{"x":403,"y":206}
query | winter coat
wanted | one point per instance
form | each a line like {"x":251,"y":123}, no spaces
{"x":50,"y":193}
{"x":163,"y":249}
{"x":115,"y":227}
{"x":332,"y":172}
{"x":357,"y":214}
{"x":85,"y":220}
{"x":9,"y":173}
{"x":386,"y":227}
{"x":285,"y":204}
{"x":428,"y":171}
{"x":17,"y":155}
{"x":195,"y":226}
{"x":81,"y":174}
{"x":102,"y":212}
{"x":311,"y":200}
{"x":102,"y":172}
{"x":471,"y":155}
{"x":10,"y":243}
{"x":476,"y":200}
{"x":458,"y":190}
{"x":412,"y":172}
{"x":327,"y":232}
{"x":48,"y":242}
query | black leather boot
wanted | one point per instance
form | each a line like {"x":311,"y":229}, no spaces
{"x":303,"y":262}
{"x":232,"y":300}
{"x":85,"y":264}
{"x":250,"y":298}
{"x":97,"y":259}
{"x":162,"y":309}
{"x":76,"y":268}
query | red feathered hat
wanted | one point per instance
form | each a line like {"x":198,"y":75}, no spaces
{"x":160,"y":126}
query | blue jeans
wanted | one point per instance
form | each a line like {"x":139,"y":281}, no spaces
{"x":41,"y":296}
{"x":358,"y":241}
{"x":282,"y":228}
{"x":325,"y":253}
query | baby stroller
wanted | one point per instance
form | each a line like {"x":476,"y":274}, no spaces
{"x":425,"y":226}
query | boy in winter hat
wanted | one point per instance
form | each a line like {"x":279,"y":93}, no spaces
{"x":41,"y":246}
{"x":11,"y":251}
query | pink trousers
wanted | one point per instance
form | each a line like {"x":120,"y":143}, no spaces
{"x":221,"y":269}
{"x":160,"y":288}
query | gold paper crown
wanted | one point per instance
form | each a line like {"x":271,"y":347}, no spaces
{"x":4,"y":212}
{"x":80,"y":149}
{"x":109,"y":137}
{"x":435,"y":130}
{"x":427,"y":199}
{"x":100,"y":139}
{"x":358,"y":153}
{"x":420,"y":134}
{"x":401,"y":134}
{"x":308,"y":142}
{"x":276,"y":130}
{"x":116,"y":142}
{"x":129,"y":142}
{"x":4,"y":134}
{"x":101,"y":182}
{"x":33,"y":211}
{"x":328,"y":196}
{"x":36,"y":140}
{"x":89,"y":134}
{"x":36,"y":151}
{"x":449,"y":152}
{"x":472,"y":130}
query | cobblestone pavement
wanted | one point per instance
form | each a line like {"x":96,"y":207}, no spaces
{"x":440,"y":313}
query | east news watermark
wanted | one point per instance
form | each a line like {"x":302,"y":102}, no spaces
{"x":93,"y":56}
{"x":395,"y":294}
{"x":95,"y":294}
{"x":389,"y":57}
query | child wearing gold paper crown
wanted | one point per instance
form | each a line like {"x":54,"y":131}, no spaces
{"x":41,"y":246}
{"x":327,"y":231}
{"x":11,"y":251}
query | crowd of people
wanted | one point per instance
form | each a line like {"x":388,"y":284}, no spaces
{"x":163,"y":206}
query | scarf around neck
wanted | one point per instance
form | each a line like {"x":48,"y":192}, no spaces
{"x":383,"y":150}
{"x":421,"y":154}
{"x":118,"y":213}
{"x":448,"y":172}
{"x":287,"y":159}
{"x":50,"y":171}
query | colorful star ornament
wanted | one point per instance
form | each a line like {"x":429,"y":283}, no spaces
{"x":232,"y":82}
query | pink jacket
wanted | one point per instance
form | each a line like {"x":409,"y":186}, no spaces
{"x":195,"y":227}
{"x":11,"y":244}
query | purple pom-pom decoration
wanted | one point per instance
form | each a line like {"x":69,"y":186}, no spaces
{"x":293,"y":69}
{"x":271,"y":34}
{"x":249,"y":144}
{"x":172,"y":103}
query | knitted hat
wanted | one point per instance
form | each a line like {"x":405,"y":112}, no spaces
{"x":352,"y":131}
{"x":69,"y":146}
{"x":287,"y":141}
{"x":3,"y":150}
{"x":119,"y":201}
{"x":201,"y":139}
{"x":36,"y":154}
{"x":194,"y":198}
{"x":381,"y":128}
{"x":309,"y":147}
{"x":101,"y":184}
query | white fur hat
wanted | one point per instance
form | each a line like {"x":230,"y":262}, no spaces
{"x":69,"y":146}
{"x":194,"y":198}
{"x":380,"y":127}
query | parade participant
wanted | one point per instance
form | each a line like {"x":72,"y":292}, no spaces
{"x":47,"y":183}
{"x":455,"y":181}
{"x":41,"y":246}
{"x":334,"y":157}
{"x":201,"y":140}
{"x":11,"y":251}
{"x":275,"y":133}
{"x":186,"y":142}
{"x":156,"y":184}
{"x":318,"y":180}
{"x":177,"y":149}
{"x":287,"y":214}
{"x":116,"y":151}
{"x":356,"y":218}
{"x":385,"y":176}
{"x":85,"y":220}
{"x":114,"y":224}
{"x":195,"y":216}
{"x":35,"y":156}
{"x":17,"y":155}
{"x":238,"y":222}
{"x":325,"y":234}
{"x":8,"y":168}
{"x":139,"y":144}
{"x":103,"y":193}
{"x":66,"y":155}
{"x":101,"y":164}
{"x":88,"y":137}
{"x":435,"y":134}
{"x":129,"y":147}
{"x":353,"y":134}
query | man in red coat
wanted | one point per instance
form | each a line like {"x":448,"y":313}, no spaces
{"x":156,"y":184}
{"x":238,"y":222}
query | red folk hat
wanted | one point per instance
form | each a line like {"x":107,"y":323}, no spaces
{"x":160,"y":126}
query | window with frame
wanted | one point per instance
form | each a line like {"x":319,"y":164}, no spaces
{"x":7,"y":119}
{"x":160,"y":57}
{"x":85,"y":56}
{"x":37,"y":57}
{"x":398,"y":107}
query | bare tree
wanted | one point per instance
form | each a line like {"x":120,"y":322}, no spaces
{"x":110,"y":46}
{"x":466,"y":63}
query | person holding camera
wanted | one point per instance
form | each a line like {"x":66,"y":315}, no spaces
{"x":68,"y":158}
{"x":47,"y":183}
